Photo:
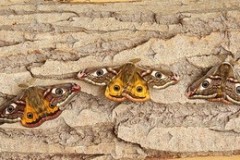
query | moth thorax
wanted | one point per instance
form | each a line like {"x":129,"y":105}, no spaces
{"x":34,"y":98}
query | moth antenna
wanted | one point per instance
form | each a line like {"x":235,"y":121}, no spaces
{"x":23,"y":85}
{"x":229,"y":57}
{"x":28,"y":83}
{"x":238,"y":57}
{"x":31,"y":81}
{"x":223,"y":54}
{"x":135,"y":60}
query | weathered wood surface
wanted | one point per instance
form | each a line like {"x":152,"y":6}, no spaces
{"x":45,"y":40}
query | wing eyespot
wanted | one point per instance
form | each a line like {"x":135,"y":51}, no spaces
{"x":116,"y":87}
{"x":139,"y":89}
{"x":11,"y":108}
{"x":158,"y":75}
{"x":206,"y":83}
{"x":52,"y":105}
{"x":30,"y":115}
{"x":238,"y":89}
{"x":99,"y":72}
{"x":58,"y":91}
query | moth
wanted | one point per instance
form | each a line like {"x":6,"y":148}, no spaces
{"x":221,"y":83}
{"x":128,"y":81}
{"x":37,"y":104}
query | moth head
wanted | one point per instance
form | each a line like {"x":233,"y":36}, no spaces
{"x":160,"y":78}
{"x":97,"y":76}
{"x":59,"y":95}
{"x":11,"y":111}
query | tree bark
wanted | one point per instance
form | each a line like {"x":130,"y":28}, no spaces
{"x":44,"y":40}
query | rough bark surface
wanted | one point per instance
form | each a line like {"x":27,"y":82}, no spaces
{"x":45,"y":40}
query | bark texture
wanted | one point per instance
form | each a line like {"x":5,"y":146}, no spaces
{"x":45,"y":40}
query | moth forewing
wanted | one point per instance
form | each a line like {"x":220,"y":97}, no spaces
{"x":97,"y":76}
{"x":159,"y":78}
{"x":61,"y":94}
{"x":197,"y":90}
{"x":11,"y":111}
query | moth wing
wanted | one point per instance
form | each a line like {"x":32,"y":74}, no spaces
{"x":206,"y":87}
{"x":99,"y":76}
{"x":34,"y":118}
{"x":159,"y":78}
{"x":137,"y":90}
{"x":12,"y":110}
{"x":33,"y":110}
{"x":233,"y":85}
{"x":61,"y":94}
{"x":47,"y":103}
{"x":115,"y":88}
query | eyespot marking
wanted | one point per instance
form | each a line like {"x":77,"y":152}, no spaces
{"x":99,"y":72}
{"x":10,"y":109}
